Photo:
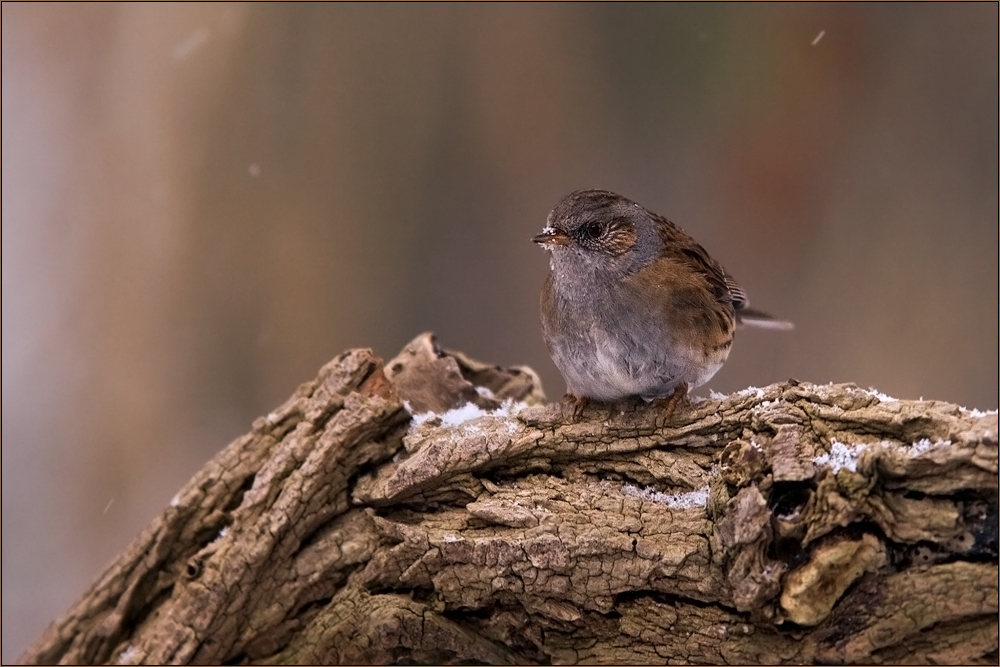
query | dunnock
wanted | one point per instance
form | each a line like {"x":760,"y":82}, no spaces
{"x":633,"y":306}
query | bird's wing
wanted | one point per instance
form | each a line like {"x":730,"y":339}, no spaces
{"x":684,"y":249}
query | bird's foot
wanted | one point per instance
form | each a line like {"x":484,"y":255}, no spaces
{"x":577,"y":403}
{"x":677,"y":398}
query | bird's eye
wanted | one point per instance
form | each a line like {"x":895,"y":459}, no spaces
{"x":590,"y":231}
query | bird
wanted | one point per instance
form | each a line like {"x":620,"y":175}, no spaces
{"x":633,"y":305}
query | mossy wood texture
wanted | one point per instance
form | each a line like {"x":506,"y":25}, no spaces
{"x":797,"y":523}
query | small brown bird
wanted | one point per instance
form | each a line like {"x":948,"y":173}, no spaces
{"x":633,"y":306}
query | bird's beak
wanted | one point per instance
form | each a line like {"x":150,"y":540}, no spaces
{"x":551,"y":236}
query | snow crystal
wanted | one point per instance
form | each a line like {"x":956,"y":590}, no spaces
{"x":696,"y":498}
{"x":422,"y":417}
{"x":717,"y":396}
{"x":925,"y":445}
{"x":509,"y":408}
{"x":458,"y":416}
{"x":841,"y":456}
{"x":468,"y":412}
{"x":129,"y":656}
{"x":980,"y":413}
{"x":485,"y":392}
{"x":884,"y":398}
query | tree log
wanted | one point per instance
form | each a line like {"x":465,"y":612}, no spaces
{"x":434,"y":510}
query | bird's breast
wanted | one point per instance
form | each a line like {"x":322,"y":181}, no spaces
{"x":611,"y":343}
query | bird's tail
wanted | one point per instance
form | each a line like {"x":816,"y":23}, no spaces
{"x":751,"y":317}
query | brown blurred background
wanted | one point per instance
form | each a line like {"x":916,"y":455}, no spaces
{"x":202,"y":204}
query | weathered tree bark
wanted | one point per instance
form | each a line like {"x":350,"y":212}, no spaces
{"x":794,"y":523}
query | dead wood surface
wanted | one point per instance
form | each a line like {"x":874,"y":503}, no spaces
{"x":794,"y":523}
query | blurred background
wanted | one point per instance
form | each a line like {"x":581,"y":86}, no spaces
{"x":202,"y":204}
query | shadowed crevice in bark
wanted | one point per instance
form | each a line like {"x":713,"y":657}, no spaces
{"x":434,"y":509}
